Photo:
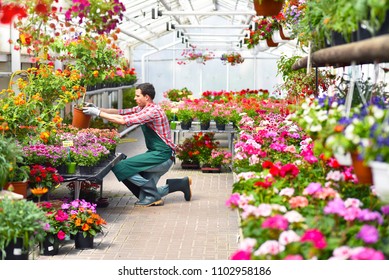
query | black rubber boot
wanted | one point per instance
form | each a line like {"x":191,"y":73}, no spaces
{"x":182,"y":185}
{"x":152,"y":197}
{"x":132,"y":187}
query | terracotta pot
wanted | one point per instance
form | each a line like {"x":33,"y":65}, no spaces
{"x":18,"y":187}
{"x":362,"y":170}
{"x":80,"y":120}
{"x":268,"y":7}
{"x":283,"y":35}
{"x":271,"y":43}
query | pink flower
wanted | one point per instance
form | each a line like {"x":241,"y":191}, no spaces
{"x":241,"y":255}
{"x":316,"y":237}
{"x":61,"y":235}
{"x":367,"y":254}
{"x":270,"y":247}
{"x":276,"y":222}
{"x":298,"y":201}
{"x":294,"y":257}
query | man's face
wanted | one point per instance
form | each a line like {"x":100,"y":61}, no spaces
{"x":140,"y":99}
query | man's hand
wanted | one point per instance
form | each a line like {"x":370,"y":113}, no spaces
{"x":91,"y":111}
{"x":88,"y":104}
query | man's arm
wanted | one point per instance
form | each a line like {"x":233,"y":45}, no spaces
{"x":109,"y":111}
{"x":112,"y":117}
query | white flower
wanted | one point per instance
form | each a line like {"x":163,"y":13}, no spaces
{"x":294,"y":217}
{"x":288,"y":236}
{"x":270,"y":247}
{"x":316,"y":128}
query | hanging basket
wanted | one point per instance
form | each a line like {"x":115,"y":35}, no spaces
{"x":267,"y":7}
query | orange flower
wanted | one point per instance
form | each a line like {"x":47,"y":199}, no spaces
{"x":38,"y":191}
{"x":85,"y":227}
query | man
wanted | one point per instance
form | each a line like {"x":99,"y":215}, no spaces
{"x":142,"y":172}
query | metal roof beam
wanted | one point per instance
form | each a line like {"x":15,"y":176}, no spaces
{"x":139,"y":39}
{"x":213,"y":26}
{"x":214,"y":13}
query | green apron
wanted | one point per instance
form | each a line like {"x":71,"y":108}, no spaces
{"x":157,"y":152}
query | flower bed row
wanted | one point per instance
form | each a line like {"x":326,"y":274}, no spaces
{"x":297,"y":204}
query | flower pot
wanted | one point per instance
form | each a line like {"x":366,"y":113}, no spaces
{"x":271,"y":43}
{"x":71,"y":167}
{"x":15,"y":251}
{"x":205,"y":126}
{"x":268,"y":7}
{"x":362,"y":171}
{"x":173,"y":125}
{"x":18,"y":187}
{"x":50,"y":246}
{"x":220,"y":126}
{"x":380,"y":172}
{"x":82,"y":242}
{"x":80,"y":120}
{"x":186,"y":125}
{"x":279,"y":36}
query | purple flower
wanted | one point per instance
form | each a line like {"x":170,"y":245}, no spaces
{"x":385,"y":209}
{"x":312,"y":188}
{"x":335,"y":206}
{"x":369,"y":234}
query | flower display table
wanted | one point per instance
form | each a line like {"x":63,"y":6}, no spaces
{"x":97,"y":174}
{"x":229,"y":130}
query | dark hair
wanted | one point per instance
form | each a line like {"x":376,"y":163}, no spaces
{"x":147,"y":89}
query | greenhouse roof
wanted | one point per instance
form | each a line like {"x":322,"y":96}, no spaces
{"x":147,"y":20}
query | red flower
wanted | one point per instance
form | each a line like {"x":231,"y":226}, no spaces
{"x":9,"y":11}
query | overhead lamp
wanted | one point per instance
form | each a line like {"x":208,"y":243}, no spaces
{"x":155,"y":13}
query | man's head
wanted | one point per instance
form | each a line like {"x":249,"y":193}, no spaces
{"x":144,"y":94}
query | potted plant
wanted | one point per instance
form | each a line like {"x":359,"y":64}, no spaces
{"x":84,"y":222}
{"x":265,"y":27}
{"x":175,"y":95}
{"x":10,"y":155}
{"x":18,"y":179}
{"x":203,"y":113}
{"x":232,"y":58}
{"x":268,"y":7}
{"x":196,"y":149}
{"x":21,"y":227}
{"x":56,"y":229}
{"x":218,"y":159}
{"x":43,"y":180}
{"x":192,"y":54}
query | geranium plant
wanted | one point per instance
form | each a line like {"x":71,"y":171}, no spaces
{"x":193,"y":54}
{"x":265,"y":28}
{"x":178,"y":94}
{"x":44,"y":177}
{"x":197,"y":148}
{"x":218,"y":158}
{"x":232,"y":58}
{"x":58,"y":220}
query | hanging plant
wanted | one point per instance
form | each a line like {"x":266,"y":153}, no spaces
{"x":193,"y":54}
{"x":232,"y":58}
